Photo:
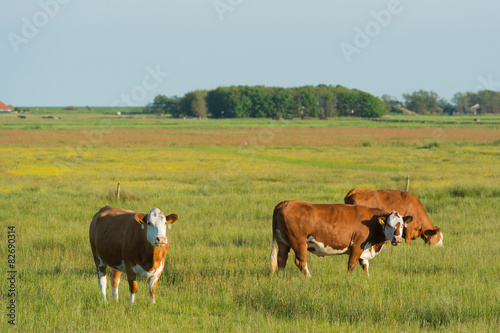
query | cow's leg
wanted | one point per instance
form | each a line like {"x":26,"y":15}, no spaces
{"x":353,"y":258}
{"x":274,"y":258}
{"x":101,"y":271}
{"x":153,"y":282}
{"x":132,"y":286}
{"x":283,"y":253}
{"x":115,"y":281}
{"x":365,"y":265}
{"x":301,"y":258}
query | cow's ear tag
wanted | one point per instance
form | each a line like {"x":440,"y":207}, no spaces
{"x":381,"y":220}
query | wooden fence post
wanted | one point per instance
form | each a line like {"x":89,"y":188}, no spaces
{"x":118,"y":192}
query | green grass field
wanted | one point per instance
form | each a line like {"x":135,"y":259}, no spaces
{"x":224,"y":186}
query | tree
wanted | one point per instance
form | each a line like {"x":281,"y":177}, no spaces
{"x":194,"y":104}
{"x":390,"y":100}
{"x":392,"y":104}
{"x":347,"y":102}
{"x":284,"y":102}
{"x":422,"y":102}
{"x":489,"y":101}
{"x":309,"y":102}
{"x":218,"y":102}
{"x":164,"y":105}
{"x":262,"y":101}
{"x":369,"y":106}
{"x":327,"y":104}
{"x":445,"y":106}
{"x":240,"y":104}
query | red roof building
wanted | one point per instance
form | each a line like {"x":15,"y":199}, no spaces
{"x":5,"y":108}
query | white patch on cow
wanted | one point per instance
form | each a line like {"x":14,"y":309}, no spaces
{"x":369,"y":253}
{"x":440,"y":243}
{"x":308,"y":275}
{"x":157,"y":226}
{"x":321,"y":250}
{"x":154,"y":277}
{"x":102,"y":285}
{"x":147,"y":274}
{"x":394,"y":219}
{"x":366,"y":266}
{"x":114,"y":292}
{"x":132,"y":298}
{"x":280,"y":237}
{"x":392,"y":224}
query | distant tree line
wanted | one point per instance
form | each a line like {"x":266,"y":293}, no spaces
{"x":428,"y":102}
{"x":320,"y":101}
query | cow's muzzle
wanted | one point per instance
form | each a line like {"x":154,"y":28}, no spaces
{"x":160,"y":241}
{"x":397,"y":241}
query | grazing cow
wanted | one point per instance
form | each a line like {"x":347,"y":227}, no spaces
{"x":129,"y":242}
{"x":326,"y":229}
{"x":406,"y":204}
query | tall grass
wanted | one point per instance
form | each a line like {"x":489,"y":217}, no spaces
{"x":216,"y":276}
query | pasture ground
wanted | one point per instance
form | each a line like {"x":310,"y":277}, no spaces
{"x":223,"y":179}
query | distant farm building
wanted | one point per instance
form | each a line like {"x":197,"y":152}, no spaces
{"x":5,"y":108}
{"x":473,"y":109}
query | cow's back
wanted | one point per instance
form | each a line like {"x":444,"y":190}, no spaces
{"x":331,"y":221}
{"x":390,"y":200}
{"x":109,"y":230}
{"x":387,"y":200}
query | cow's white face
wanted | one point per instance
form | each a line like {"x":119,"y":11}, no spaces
{"x":393,"y":227}
{"x":156,"y":229}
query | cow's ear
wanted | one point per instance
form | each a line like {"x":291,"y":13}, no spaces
{"x":382,"y":220}
{"x":141,"y":218}
{"x":431,"y":232}
{"x":407,"y":219}
{"x":171,"y":219}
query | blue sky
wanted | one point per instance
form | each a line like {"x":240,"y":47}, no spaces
{"x":123,"y":52}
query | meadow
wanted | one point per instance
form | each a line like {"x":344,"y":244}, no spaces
{"x":223,"y":179}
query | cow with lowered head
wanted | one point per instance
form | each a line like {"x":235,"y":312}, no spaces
{"x":405,"y":203}
{"x":132,"y":243}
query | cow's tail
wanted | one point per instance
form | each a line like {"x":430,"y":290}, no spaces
{"x":348,"y":198}
{"x":274,"y":250}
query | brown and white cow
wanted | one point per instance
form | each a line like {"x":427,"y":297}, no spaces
{"x":129,"y":242}
{"x":330,"y":229}
{"x":403,"y":202}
